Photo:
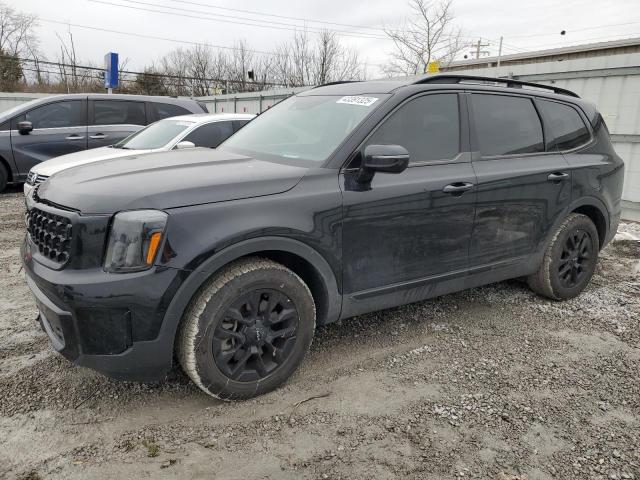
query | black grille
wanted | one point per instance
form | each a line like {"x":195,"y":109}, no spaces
{"x":51,"y":233}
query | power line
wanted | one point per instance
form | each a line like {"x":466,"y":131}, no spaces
{"x":151,"y":37}
{"x":253,"y":12}
{"x":575,"y":30}
{"x":208,"y":17}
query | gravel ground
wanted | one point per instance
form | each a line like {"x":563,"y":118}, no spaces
{"x":493,"y":382}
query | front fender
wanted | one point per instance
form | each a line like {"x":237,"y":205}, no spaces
{"x":196,"y":278}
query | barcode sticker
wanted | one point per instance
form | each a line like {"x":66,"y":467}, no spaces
{"x":358,"y":100}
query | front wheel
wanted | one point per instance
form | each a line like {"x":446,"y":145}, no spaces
{"x":247,"y":329}
{"x":569,"y":261}
{"x":4,"y":177}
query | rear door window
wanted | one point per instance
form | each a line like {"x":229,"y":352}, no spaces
{"x":210,"y":135}
{"x":118,"y":112}
{"x":506,"y":125}
{"x":565,"y":124}
{"x":165,"y":110}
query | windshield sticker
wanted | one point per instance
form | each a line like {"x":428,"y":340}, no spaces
{"x":183,"y":124}
{"x":358,"y":100}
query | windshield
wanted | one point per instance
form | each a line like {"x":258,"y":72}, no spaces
{"x":156,"y":135}
{"x":306,"y":128}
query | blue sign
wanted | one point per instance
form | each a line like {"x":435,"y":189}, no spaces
{"x":111,"y":70}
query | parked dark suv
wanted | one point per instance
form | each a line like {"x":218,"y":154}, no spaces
{"x":52,"y":126}
{"x":341,"y":200}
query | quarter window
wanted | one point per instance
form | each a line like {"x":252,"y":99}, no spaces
{"x":428,"y":127}
{"x":210,"y":135}
{"x":113,"y":112}
{"x":565,"y":124}
{"x":56,"y":115}
{"x":506,"y":125}
{"x":165,"y":110}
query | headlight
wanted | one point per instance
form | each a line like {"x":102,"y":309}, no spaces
{"x":134,"y":240}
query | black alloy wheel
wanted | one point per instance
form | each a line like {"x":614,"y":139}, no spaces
{"x":575,"y":258}
{"x":256,"y":335}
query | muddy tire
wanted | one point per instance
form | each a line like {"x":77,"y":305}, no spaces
{"x":569,"y":261}
{"x":247,"y":329}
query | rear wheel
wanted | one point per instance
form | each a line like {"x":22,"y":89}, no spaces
{"x":570,"y":260}
{"x":247,"y":329}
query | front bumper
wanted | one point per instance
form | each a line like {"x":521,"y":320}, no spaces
{"x":27,"y":189}
{"x":115,"y":324}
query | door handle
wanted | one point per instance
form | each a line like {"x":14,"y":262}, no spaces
{"x":74,"y":137}
{"x":98,"y":136}
{"x":558,"y":177}
{"x":457,"y":188}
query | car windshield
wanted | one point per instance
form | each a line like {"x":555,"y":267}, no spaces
{"x":305,"y":128}
{"x":156,"y":135}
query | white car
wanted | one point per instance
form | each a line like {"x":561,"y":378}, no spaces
{"x":185,"y":131}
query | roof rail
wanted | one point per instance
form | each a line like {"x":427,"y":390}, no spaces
{"x":339,"y":82}
{"x":508,"y":82}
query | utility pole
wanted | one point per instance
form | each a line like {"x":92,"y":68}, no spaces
{"x":479,"y":45}
{"x":500,"y":51}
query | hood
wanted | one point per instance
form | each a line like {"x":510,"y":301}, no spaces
{"x":83,"y":157}
{"x":167,"y":180}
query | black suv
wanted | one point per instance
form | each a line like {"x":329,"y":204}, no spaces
{"x":56,"y":125}
{"x":342,"y":200}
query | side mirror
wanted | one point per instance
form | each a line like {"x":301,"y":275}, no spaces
{"x":25,"y":127}
{"x":382,"y":158}
{"x":184,"y":144}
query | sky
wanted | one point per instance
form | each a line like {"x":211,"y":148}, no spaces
{"x":524,"y":25}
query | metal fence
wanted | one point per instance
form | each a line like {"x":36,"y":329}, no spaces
{"x":10,"y":100}
{"x":253,"y":102}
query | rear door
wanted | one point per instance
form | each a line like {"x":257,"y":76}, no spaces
{"x":524,"y":183}
{"x":112,"y":120}
{"x":210,"y":135}
{"x":59,"y":128}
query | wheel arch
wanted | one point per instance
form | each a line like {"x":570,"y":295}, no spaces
{"x":4,"y":163}
{"x":597,"y":213}
{"x":593,"y":208}
{"x":302,"y":259}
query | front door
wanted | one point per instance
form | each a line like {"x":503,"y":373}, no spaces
{"x":410,"y":227}
{"x":524,"y":183}
{"x":59,"y":128}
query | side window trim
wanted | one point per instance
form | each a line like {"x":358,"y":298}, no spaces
{"x":476,"y":154}
{"x":91,"y":118}
{"x":463,"y":130}
{"x":83,"y":114}
{"x":582,"y":117}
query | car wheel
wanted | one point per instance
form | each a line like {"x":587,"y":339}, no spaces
{"x":247,"y":329}
{"x":569,"y":261}
{"x":4,"y":177}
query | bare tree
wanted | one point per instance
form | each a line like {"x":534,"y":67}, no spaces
{"x":17,"y":32}
{"x":332,"y":61}
{"x":305,"y":62}
{"x":428,"y":34}
{"x":17,"y":40}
